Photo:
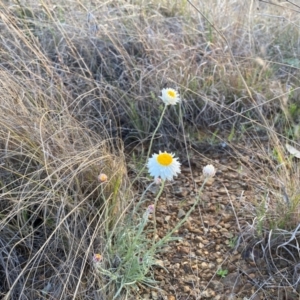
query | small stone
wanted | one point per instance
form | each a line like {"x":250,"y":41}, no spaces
{"x":188,"y":225}
{"x":159,"y":262}
{"x":167,"y":219}
{"x":191,"y":278}
{"x":198,"y":239}
{"x":181,"y":213}
{"x":208,"y":294}
{"x":216,"y":285}
{"x":200,"y":245}
{"x":177,"y":266}
{"x":232,"y":175}
{"x":206,"y":230}
{"x":184,"y":250}
{"x":199,"y":252}
{"x":171,"y":297}
{"x":180,"y":192}
{"x":196,"y":230}
{"x":205,"y":198}
{"x":154,"y":295}
{"x":186,"y":289}
{"x":159,"y":220}
{"x":211,"y":265}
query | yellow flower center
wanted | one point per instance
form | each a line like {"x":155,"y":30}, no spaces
{"x":164,"y":159}
{"x":171,"y":93}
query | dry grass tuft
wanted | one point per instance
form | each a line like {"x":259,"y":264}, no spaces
{"x":52,"y":205}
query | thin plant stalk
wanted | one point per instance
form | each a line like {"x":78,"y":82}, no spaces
{"x":151,"y":143}
{"x":154,"y":133}
{"x":155,"y":206}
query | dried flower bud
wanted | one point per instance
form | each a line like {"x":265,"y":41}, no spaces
{"x":102,"y":177}
{"x":209,"y":171}
{"x":150,"y":208}
{"x":97,"y":258}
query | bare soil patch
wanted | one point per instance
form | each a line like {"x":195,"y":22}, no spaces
{"x":189,"y":267}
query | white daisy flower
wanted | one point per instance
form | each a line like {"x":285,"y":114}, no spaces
{"x":169,"y":96}
{"x":209,"y":171}
{"x":163,"y":165}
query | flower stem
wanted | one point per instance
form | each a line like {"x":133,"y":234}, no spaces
{"x":155,"y":206}
{"x":154,"y":133}
{"x":150,"y":146}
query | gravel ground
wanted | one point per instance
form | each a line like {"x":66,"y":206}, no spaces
{"x":189,"y":267}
